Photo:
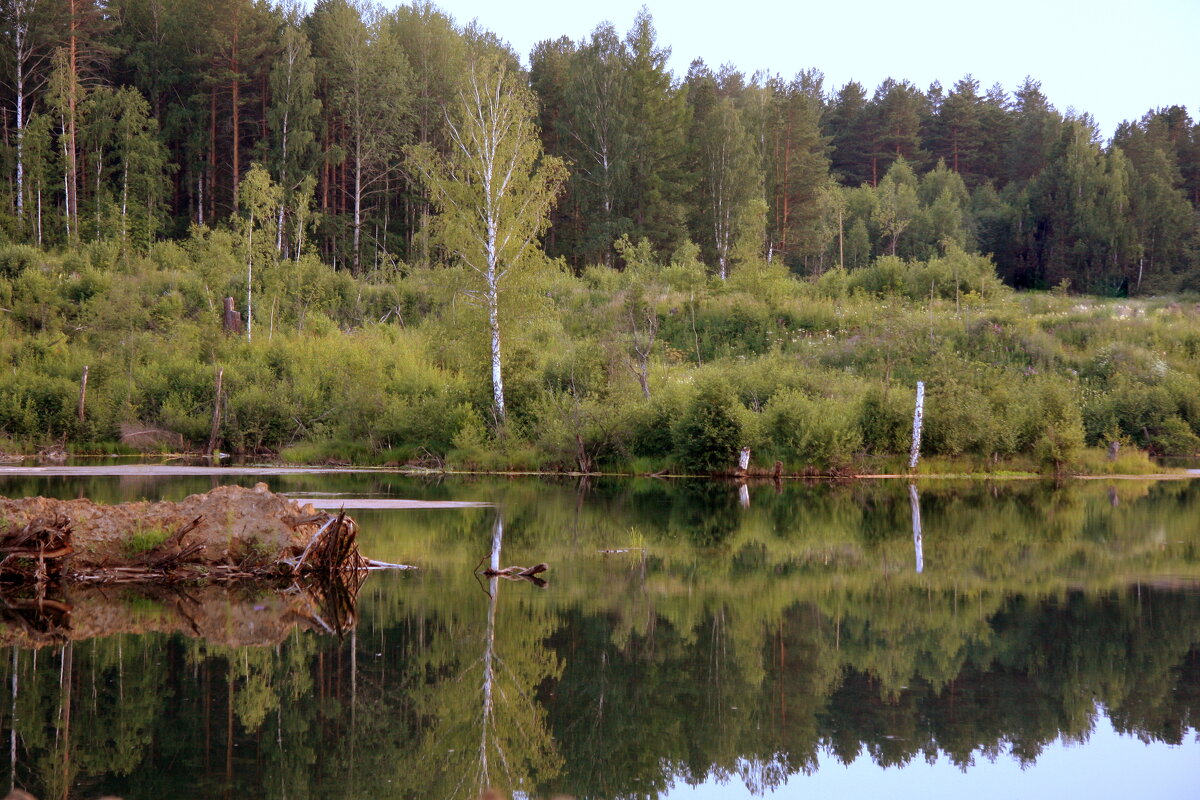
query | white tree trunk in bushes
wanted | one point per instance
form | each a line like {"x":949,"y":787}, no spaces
{"x":918,"y":421}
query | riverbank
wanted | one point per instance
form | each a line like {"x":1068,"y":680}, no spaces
{"x":607,"y":371}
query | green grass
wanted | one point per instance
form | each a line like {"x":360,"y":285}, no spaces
{"x":144,"y":540}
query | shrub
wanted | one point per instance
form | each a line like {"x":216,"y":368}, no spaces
{"x":709,"y":434}
{"x":16,"y":258}
{"x":814,"y":431}
{"x":885,"y":420}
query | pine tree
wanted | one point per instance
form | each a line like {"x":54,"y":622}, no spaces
{"x":595,"y":132}
{"x":850,"y":127}
{"x":797,"y":167}
{"x":898,"y":109}
{"x":959,"y":124}
{"x":659,"y":120}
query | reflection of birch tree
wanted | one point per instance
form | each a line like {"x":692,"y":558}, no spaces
{"x":491,"y":731}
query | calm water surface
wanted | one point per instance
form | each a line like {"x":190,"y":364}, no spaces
{"x":1031,"y":641}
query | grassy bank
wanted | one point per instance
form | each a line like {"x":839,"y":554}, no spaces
{"x":817,"y":374}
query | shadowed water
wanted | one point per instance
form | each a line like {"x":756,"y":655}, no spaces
{"x":692,"y":641}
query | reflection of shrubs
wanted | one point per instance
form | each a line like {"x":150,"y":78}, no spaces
{"x":704,"y":512}
{"x":709,"y":434}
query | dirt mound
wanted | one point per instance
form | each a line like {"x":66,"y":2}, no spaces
{"x":230,"y":526}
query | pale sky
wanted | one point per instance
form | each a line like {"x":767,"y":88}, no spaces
{"x":1115,"y":60}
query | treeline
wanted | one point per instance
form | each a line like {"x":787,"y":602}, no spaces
{"x":136,"y":119}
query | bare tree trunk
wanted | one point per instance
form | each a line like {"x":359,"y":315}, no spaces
{"x":21,"y":32}
{"x":250,"y":277}
{"x":212,"y":155}
{"x":918,"y":420}
{"x":72,"y":167}
{"x":216,"y":421}
{"x":235,"y":86}
{"x":125,"y":197}
{"x":83,"y":393}
{"x":357,"y":201}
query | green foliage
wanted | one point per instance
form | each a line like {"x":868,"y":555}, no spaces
{"x":885,"y":420}
{"x":16,"y":258}
{"x":823,"y":370}
{"x":818,"y":432}
{"x":708,"y":435}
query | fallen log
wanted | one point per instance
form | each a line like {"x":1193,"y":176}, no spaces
{"x":516,"y":572}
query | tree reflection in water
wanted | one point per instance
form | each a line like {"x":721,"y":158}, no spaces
{"x":671,"y":646}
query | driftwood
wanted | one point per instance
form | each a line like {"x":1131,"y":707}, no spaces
{"x":36,"y":551}
{"x":516,"y":572}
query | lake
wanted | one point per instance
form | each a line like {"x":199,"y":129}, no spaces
{"x":691,"y":640}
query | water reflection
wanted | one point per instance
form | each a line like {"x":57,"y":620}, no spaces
{"x":684,"y":638}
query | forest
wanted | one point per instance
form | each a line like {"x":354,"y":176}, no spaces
{"x":716,"y":253}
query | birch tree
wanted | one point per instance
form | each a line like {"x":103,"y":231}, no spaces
{"x":293,"y":117}
{"x":19,"y":23}
{"x":595,"y":135}
{"x":730,"y":178}
{"x":494,"y":190}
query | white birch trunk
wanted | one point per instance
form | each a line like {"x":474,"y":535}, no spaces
{"x":66,"y":182}
{"x":20,"y":130}
{"x":493,"y":301}
{"x":250,"y":278}
{"x":282,"y":178}
{"x":125,"y":200}
{"x":918,"y":421}
{"x":357,"y":200}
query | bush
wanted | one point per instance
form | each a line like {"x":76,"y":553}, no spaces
{"x":16,"y":258}
{"x":885,"y":420}
{"x":709,"y":434}
{"x":814,"y":431}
